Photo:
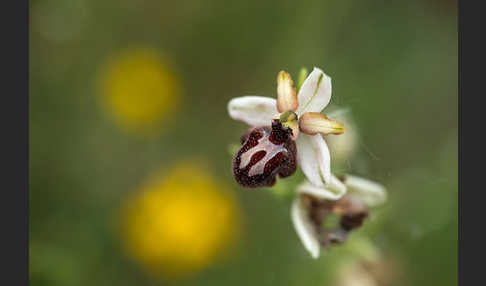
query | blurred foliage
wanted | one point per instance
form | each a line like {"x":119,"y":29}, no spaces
{"x":393,"y":64}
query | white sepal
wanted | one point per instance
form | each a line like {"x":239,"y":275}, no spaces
{"x":304,"y":228}
{"x":253,"y":110}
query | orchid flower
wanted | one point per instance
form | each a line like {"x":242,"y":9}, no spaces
{"x":299,"y":113}
{"x":349,"y":196}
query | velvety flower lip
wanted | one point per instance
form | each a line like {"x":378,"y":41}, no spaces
{"x":307,"y":124}
{"x":357,"y":190}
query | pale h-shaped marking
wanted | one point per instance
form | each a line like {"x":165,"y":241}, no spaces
{"x":263,"y":145}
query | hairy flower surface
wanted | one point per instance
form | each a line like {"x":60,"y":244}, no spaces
{"x":299,"y":115}
{"x":266,"y":152}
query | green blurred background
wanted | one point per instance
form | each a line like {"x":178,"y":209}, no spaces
{"x":393,"y":65}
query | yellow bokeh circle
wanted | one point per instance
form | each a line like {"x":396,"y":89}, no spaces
{"x":180,"y":222}
{"x":139,"y":89}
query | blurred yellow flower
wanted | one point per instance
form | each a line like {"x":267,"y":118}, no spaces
{"x":139,"y":88}
{"x":180,"y":221}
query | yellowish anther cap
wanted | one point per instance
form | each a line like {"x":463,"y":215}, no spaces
{"x":286,"y":95}
{"x":290,"y":120}
{"x":312,"y":123}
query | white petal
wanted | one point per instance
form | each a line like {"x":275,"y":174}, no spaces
{"x":323,"y":156}
{"x":314,"y":159}
{"x":253,"y":110}
{"x":304,"y":228}
{"x":307,"y":160}
{"x":315,"y":92}
{"x":334,"y":191}
{"x":368,"y":192}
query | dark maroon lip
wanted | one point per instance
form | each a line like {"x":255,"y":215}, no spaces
{"x":266,"y":152}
